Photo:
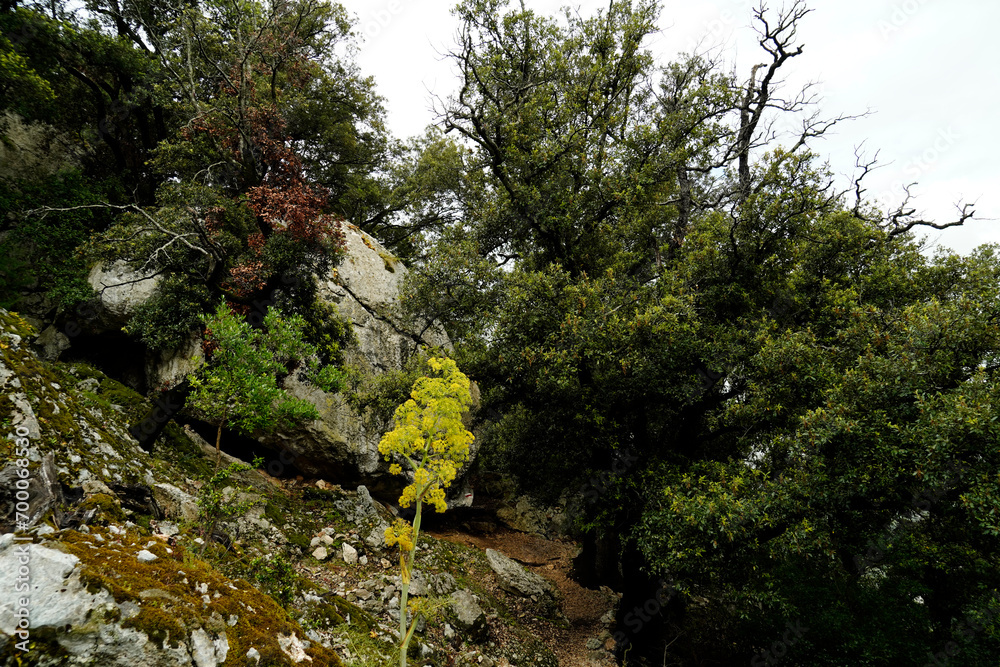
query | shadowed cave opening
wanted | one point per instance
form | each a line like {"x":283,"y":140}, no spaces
{"x":277,"y":464}
{"x":113,"y":353}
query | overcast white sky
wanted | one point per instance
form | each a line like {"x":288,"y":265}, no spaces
{"x":927,"y":68}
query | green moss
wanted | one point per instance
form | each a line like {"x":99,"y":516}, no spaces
{"x":273,"y":513}
{"x":143,"y":521}
{"x":37,"y":379}
{"x":300,"y":541}
{"x":118,"y":394}
{"x":83,"y":371}
{"x":313,"y":493}
{"x":71,"y":419}
{"x":360,"y":618}
{"x":43,"y":648}
{"x":174,"y":445}
{"x":161,"y":626}
{"x":177,"y":607}
{"x":14,"y":323}
{"x":325,"y":616}
{"x":108,"y":508}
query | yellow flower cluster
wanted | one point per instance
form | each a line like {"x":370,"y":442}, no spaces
{"x":400,"y":533}
{"x":429,"y":429}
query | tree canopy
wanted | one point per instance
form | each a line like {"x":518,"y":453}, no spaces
{"x":221,"y":144}
{"x":648,"y":267}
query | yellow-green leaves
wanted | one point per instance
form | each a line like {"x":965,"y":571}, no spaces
{"x":430,"y":437}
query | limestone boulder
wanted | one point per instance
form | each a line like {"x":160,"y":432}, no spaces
{"x":470,"y":618}
{"x":35,"y":149}
{"x":120,"y":291}
{"x":175,"y":503}
{"x":365,"y":288}
{"x":514,"y":578}
{"x":171,"y":367}
{"x":59,"y":599}
{"x":177,"y":616}
{"x":51,"y":343}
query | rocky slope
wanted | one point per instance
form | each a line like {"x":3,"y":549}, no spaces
{"x":125,"y":569}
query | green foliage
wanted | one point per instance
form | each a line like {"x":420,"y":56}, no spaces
{"x":420,"y":194}
{"x":275,"y":575}
{"x":238,"y":386}
{"x":224,"y":190}
{"x":636,"y":269}
{"x":172,"y":315}
{"x":218,"y":498}
{"x":44,"y":252}
{"x":18,"y":79}
{"x":323,"y":326}
{"x":23,"y":88}
{"x":377,"y":396}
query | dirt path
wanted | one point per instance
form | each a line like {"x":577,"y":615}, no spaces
{"x":553,"y":560}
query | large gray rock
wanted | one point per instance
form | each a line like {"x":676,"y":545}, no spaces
{"x":51,"y":343}
{"x":55,"y":601}
{"x":469,"y":616}
{"x":365,"y":287}
{"x":59,"y":600}
{"x":35,"y":150}
{"x":120,"y":291}
{"x":514,"y":578}
{"x":170,"y":368}
{"x":176,"y":504}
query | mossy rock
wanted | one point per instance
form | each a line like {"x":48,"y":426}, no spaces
{"x":359,"y":617}
{"x":14,"y":323}
{"x":313,"y":493}
{"x":169,"y":593}
{"x":44,"y":650}
{"x":326,"y":615}
{"x":300,"y":541}
{"x":274,"y":513}
{"x":159,"y":625}
{"x":118,"y":394}
{"x":108,"y":508}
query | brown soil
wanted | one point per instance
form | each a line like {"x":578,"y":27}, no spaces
{"x":553,"y":560}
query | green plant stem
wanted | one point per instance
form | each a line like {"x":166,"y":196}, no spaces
{"x":218,"y":437}
{"x":207,"y":538}
{"x":404,"y":633}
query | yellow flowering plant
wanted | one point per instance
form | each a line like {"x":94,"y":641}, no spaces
{"x":431,"y":441}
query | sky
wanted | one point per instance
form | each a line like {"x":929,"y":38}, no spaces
{"x":927,"y":70}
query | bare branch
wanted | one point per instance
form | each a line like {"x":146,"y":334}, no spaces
{"x":154,"y":224}
{"x":859,"y":191}
{"x":901,"y":220}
